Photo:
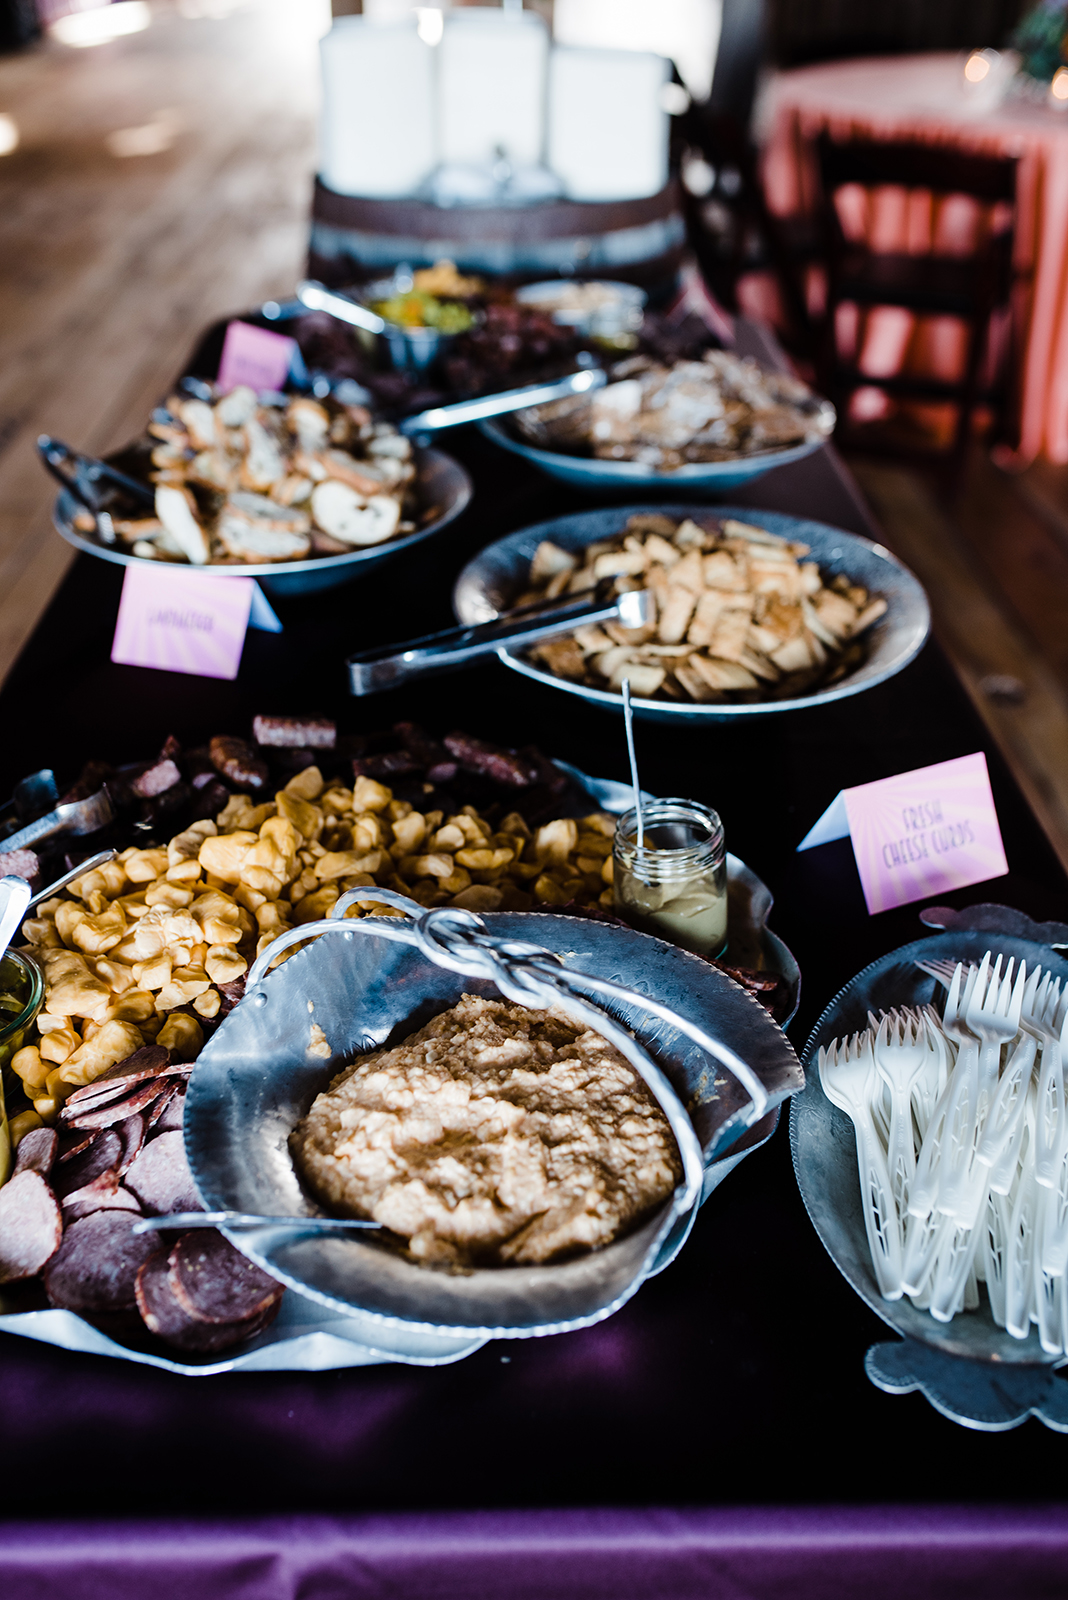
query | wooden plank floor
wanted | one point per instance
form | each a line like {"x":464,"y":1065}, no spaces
{"x":996,"y":572}
{"x":110,"y":265}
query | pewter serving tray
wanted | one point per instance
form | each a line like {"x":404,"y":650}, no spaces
{"x":309,"y":1335}
{"x":824,"y":1147}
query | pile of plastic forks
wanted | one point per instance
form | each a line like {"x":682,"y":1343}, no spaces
{"x":962,"y":1145}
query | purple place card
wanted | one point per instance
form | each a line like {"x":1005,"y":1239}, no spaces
{"x":179,"y":620}
{"x":255,"y":356}
{"x":919,"y":833}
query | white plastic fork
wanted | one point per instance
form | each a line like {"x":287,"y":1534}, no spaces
{"x":1020,"y":1242}
{"x":952,"y":1152}
{"x":992,"y":1013}
{"x":1046,"y":1019}
{"x":950,"y":1284}
{"x":901,"y":1056}
{"x":848,"y":1075}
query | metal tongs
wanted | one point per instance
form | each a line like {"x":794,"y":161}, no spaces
{"x":76,"y":817}
{"x":391,"y":665}
{"x":84,"y":476}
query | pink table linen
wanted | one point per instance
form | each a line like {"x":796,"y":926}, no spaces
{"x":923,"y":97}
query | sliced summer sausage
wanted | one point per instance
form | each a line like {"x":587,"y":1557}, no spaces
{"x":31,"y":1226}
{"x":95,"y":1268}
{"x":161,"y":1179}
{"x":215,"y":1282}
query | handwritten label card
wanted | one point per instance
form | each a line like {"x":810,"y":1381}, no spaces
{"x":182,"y":621}
{"x":255,"y":356}
{"x":919,"y":833}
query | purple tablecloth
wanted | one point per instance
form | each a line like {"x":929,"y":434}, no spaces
{"x":733,"y":1385}
{"x":797,"y":1553}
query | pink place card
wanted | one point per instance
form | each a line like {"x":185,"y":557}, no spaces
{"x":182,"y":621}
{"x":919,"y":833}
{"x":255,"y":356}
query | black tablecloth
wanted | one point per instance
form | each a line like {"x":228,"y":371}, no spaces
{"x":734,"y":1379}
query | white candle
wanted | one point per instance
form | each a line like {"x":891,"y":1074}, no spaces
{"x":491,"y":87}
{"x":377,"y":124}
{"x":608,"y":132}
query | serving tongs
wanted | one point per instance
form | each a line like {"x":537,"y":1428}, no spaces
{"x":74,"y":817}
{"x":388,"y":666}
{"x":84,"y":476}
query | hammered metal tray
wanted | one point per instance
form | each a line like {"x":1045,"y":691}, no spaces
{"x":310,"y":1336}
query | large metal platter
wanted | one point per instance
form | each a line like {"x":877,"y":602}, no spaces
{"x":442,"y":482}
{"x":259,"y":1073}
{"x":824,"y":1148}
{"x":583,"y":472}
{"x":492,"y":579}
{"x":310,"y":1336}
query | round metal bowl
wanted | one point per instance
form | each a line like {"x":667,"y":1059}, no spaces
{"x":824,"y":1147}
{"x":492,"y":579}
{"x":584,"y":472}
{"x":442,"y":482}
{"x":359,"y":990}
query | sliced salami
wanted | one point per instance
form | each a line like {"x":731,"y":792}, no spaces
{"x":164,"y":1315}
{"x":105,"y":1193}
{"x":36,"y":1151}
{"x":72,"y":1141}
{"x":148,"y":1062}
{"x":104,"y":1115}
{"x":31,"y":1226}
{"x":103,"y":1154}
{"x":95,"y":1268}
{"x":162,"y":1118}
{"x":161,"y":1179}
{"x":132,"y":1133}
{"x":215,"y":1282}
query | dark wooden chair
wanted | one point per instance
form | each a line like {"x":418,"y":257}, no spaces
{"x":971,"y":288}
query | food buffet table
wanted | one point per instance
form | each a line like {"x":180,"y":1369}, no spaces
{"x":925,"y":98}
{"x":717,"y":1436}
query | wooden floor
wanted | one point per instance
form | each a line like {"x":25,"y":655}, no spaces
{"x":163,"y":180}
{"x":110,"y":263}
{"x":994,"y":562}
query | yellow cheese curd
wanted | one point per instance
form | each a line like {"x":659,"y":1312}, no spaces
{"x":134,"y":952}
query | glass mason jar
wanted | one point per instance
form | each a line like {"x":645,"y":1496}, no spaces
{"x":675,"y":886}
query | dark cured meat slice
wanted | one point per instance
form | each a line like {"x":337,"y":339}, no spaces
{"x":31,"y":1226}
{"x":295,"y":733}
{"x":215,"y":1282}
{"x":238,"y":762}
{"x":75,"y":1140}
{"x":162,"y":775}
{"x":36,"y":1151}
{"x":492,"y":760}
{"x":166,"y":1317}
{"x":105,"y":1193}
{"x":231,"y":993}
{"x":104,"y":1116}
{"x":96,"y":1266}
{"x":102,"y":1155}
{"x":19,"y":864}
{"x":160,"y":1118}
{"x":161,"y":1179}
{"x":149,"y":1062}
{"x":132,"y":1133}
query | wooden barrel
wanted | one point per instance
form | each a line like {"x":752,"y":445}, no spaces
{"x":633,"y":241}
